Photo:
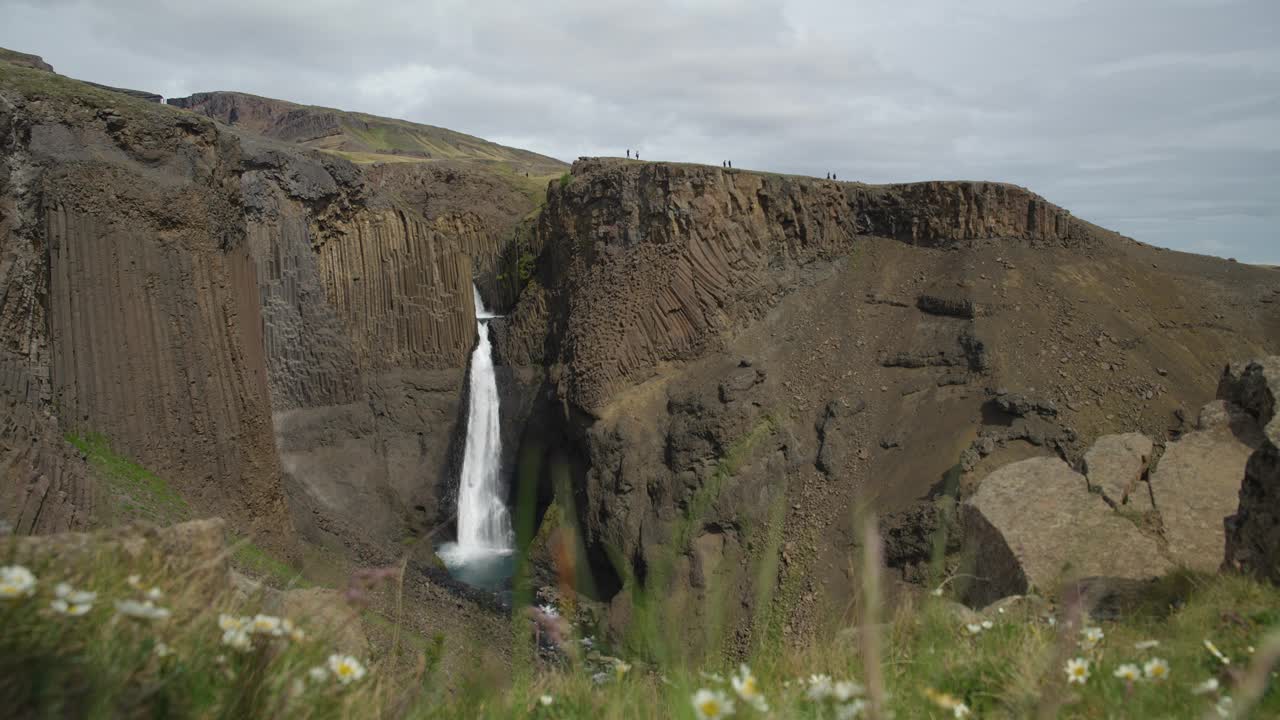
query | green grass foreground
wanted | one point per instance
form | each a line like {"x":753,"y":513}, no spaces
{"x":932,"y":658}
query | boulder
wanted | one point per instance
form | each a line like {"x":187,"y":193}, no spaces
{"x":1034,"y":525}
{"x":1197,"y":484}
{"x":1116,"y":466}
{"x":1253,"y":531}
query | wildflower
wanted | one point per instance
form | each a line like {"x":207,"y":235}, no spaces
{"x":231,"y":622}
{"x":1128,"y":672}
{"x":237,"y":639}
{"x":161,"y":650}
{"x":745,"y":684}
{"x":318,"y":674}
{"x":135,"y":582}
{"x":621,"y":668}
{"x":1090,"y":637}
{"x":72,"y":602}
{"x":154,"y":594}
{"x":16,"y":581}
{"x":266,"y":625}
{"x":1223,"y":707}
{"x":987,"y":625}
{"x":973,"y":628}
{"x":1146,"y":645}
{"x":1206,"y":687}
{"x":819,"y":687}
{"x":712,"y":704}
{"x":546,"y":700}
{"x":937,"y":592}
{"x":142,"y":610}
{"x":1077,"y":670}
{"x":1001,"y":611}
{"x":851,"y":710}
{"x":1216,"y":652}
{"x":1156,"y":669}
{"x":846,"y":690}
{"x":345,"y":668}
{"x":961,"y":710}
{"x":1052,"y":621}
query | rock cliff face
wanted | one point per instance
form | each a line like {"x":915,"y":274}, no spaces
{"x":739,"y":360}
{"x":128,"y":305}
{"x":252,"y":320}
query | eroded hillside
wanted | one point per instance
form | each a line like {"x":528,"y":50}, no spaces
{"x":739,"y":359}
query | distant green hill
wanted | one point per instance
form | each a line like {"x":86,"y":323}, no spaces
{"x":360,"y":137}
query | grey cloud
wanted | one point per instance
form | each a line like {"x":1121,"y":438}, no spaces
{"x":1154,"y":117}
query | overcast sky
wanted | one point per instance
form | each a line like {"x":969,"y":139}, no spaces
{"x":1157,"y":118}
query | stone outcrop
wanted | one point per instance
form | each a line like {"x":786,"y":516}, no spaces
{"x":669,"y":257}
{"x":34,"y":62}
{"x":1034,"y":526}
{"x":1116,"y":466}
{"x":1197,"y":483}
{"x":1253,"y":530}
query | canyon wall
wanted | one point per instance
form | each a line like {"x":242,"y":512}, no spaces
{"x":128,"y":306}
{"x":247,"y":319}
{"x":736,"y":364}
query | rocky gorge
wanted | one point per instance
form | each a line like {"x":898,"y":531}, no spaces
{"x":708,"y":375}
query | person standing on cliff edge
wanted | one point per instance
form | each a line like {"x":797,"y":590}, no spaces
{"x":628,"y":153}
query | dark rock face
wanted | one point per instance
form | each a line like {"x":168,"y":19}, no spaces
{"x":697,"y":475}
{"x":1253,"y":532}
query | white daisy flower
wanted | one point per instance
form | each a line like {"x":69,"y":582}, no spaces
{"x":712,"y":704}
{"x":851,"y":710}
{"x":155,"y":594}
{"x":162,"y":650}
{"x":987,"y":624}
{"x":546,"y":700}
{"x":820,"y":688}
{"x":1077,"y":671}
{"x":72,"y":602}
{"x":1128,"y":672}
{"x":747,"y":688}
{"x":318,"y":674}
{"x":231,"y":622}
{"x":1156,"y":669}
{"x":973,"y":628}
{"x":266,"y":625}
{"x":16,"y":581}
{"x":961,"y":710}
{"x":846,"y":690}
{"x":1090,"y":637}
{"x":135,"y":582}
{"x":1208,"y":686}
{"x":345,"y":669}
{"x":237,"y":639}
{"x":142,"y":610}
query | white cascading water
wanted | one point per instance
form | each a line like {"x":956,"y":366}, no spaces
{"x":484,"y":524}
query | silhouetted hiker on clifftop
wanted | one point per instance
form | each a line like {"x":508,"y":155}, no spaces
{"x":628,"y":153}
{"x":730,"y":162}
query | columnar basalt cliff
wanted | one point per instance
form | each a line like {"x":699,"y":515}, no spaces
{"x":250,"y":319}
{"x":129,"y":304}
{"x":739,"y":359}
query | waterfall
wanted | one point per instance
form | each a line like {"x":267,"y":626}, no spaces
{"x":484,"y":525}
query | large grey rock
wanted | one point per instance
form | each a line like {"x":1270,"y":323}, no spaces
{"x":1197,"y":484}
{"x":1253,"y":531}
{"x":1034,"y":526}
{"x":1116,"y":465}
